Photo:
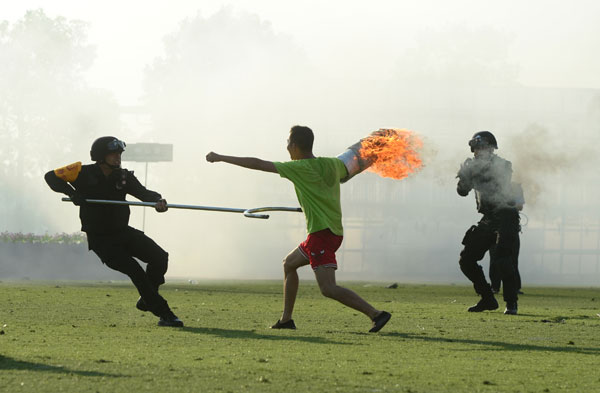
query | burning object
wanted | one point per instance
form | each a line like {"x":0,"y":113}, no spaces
{"x":388,"y":152}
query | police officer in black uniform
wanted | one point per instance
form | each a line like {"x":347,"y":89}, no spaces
{"x":106,"y":226}
{"x":497,"y":231}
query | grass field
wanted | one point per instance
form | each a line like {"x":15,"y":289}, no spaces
{"x":88,"y":337}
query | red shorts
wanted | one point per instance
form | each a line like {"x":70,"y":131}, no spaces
{"x":320,"y":247}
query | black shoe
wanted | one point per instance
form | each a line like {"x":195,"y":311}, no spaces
{"x":511,"y":308}
{"x":486,"y":303}
{"x":285,"y":325}
{"x":520,"y":292}
{"x":379,"y":321}
{"x":141,"y":305}
{"x":170,"y":319}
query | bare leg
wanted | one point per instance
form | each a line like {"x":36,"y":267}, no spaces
{"x":326,"y":280}
{"x":291,"y":263}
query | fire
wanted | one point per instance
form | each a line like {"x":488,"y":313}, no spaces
{"x":393,"y":153}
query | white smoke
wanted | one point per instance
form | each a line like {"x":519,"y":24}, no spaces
{"x":235,"y":82}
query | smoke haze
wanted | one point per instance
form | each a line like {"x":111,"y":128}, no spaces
{"x":234,"y":79}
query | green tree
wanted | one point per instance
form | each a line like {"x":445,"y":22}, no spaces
{"x":226,"y":66}
{"x":47,"y":111}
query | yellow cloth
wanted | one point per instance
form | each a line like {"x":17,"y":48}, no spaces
{"x":70,"y":172}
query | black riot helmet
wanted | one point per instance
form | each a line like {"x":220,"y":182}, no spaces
{"x":105,"y":145}
{"x":482,"y":140}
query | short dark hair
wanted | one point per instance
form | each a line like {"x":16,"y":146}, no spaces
{"x":302,"y":137}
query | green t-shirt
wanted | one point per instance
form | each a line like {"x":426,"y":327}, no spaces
{"x":317,"y":184}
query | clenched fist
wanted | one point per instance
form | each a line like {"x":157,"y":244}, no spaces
{"x":213,"y":157}
{"x":161,"y":206}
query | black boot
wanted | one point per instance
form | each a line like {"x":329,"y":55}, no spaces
{"x":169,"y":319}
{"x":486,"y":303}
{"x":511,"y":308}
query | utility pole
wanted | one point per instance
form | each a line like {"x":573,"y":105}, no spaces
{"x":148,"y":152}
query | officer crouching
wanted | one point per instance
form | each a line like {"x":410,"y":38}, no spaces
{"x":107,"y":226}
{"x":498,"y":230}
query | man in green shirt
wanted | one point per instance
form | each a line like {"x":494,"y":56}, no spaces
{"x":317,"y":184}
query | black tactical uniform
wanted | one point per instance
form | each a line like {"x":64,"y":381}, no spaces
{"x":495,"y":274}
{"x":497,"y":231}
{"x":107,"y":229}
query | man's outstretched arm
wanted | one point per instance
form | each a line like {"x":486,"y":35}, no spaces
{"x":246,"y":162}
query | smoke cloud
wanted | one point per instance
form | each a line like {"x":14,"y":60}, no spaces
{"x":234,"y":82}
{"x":540,"y":160}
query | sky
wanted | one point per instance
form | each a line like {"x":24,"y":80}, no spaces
{"x":553,"y":43}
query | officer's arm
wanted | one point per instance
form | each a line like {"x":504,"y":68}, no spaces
{"x":57,"y":184}
{"x":59,"y":179}
{"x":135,"y":188}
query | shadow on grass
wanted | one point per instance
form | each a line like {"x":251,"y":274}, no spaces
{"x":499,"y":344}
{"x":250,"y":334}
{"x":8,"y":363}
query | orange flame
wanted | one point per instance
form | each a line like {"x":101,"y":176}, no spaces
{"x":393,"y":153}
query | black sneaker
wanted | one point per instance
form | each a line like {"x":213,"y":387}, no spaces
{"x":141,"y":305}
{"x":285,"y":325}
{"x":170,"y":319}
{"x":511,"y":308}
{"x":486,"y":303}
{"x":379,"y":321}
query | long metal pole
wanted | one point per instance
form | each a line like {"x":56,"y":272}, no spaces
{"x":251,"y":213}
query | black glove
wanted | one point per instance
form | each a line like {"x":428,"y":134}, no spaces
{"x":78,"y":199}
{"x":161,"y":205}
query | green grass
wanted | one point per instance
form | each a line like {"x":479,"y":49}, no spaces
{"x":85,"y":337}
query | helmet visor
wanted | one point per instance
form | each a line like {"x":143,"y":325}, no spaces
{"x":478,"y":143}
{"x":115,"y":145}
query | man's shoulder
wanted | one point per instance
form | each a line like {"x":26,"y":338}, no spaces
{"x":501,"y":162}
{"x":331,"y":161}
{"x":90,"y":169}
{"x":310,"y":166}
{"x":501,"y":159}
{"x":296,"y":164}
{"x":130,"y":175}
